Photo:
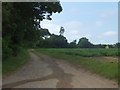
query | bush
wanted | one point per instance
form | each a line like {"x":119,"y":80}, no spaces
{"x":6,"y":50}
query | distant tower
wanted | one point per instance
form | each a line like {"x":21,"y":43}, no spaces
{"x":62,"y":30}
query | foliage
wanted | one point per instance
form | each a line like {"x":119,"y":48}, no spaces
{"x":117,"y":45}
{"x":54,"y":41}
{"x":21,"y":24}
{"x":84,"y":43}
{"x":12,"y":63}
{"x":44,"y":32}
{"x":73,"y":44}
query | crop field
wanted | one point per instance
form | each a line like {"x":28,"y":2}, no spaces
{"x":101,"y":61}
{"x":94,"y":52}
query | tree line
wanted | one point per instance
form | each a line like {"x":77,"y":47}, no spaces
{"x":59,"y":41}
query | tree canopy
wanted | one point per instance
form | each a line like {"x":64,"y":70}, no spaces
{"x":73,"y":44}
{"x":21,"y":24}
{"x":84,"y":43}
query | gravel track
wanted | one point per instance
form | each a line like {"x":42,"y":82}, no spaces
{"x":43,"y":71}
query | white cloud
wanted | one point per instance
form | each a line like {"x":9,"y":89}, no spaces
{"x":110,"y":33}
{"x":53,"y":28}
{"x":108,"y":37}
{"x":73,"y":30}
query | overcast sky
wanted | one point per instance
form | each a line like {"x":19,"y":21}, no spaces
{"x":98,"y":21}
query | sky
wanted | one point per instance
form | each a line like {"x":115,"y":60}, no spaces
{"x":97,"y":21}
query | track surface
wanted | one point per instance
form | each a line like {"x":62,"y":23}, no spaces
{"x":43,"y":71}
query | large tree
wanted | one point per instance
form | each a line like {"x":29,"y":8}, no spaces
{"x":84,"y":43}
{"x":58,"y":41}
{"x":21,"y":23}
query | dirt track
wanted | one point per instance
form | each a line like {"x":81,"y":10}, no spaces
{"x":45,"y":72}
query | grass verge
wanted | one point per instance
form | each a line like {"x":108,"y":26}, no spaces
{"x":13,"y":63}
{"x":103,"y":68}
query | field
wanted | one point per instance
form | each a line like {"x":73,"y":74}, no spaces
{"x":100,"y":61}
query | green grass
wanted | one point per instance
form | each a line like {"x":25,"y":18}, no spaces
{"x":88,"y":58}
{"x":13,"y":63}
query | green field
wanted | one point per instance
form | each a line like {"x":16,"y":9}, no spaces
{"x":11,"y":64}
{"x":94,"y":52}
{"x":91,"y":59}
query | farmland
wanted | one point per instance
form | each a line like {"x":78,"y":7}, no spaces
{"x":100,"y":61}
{"x":94,"y":52}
